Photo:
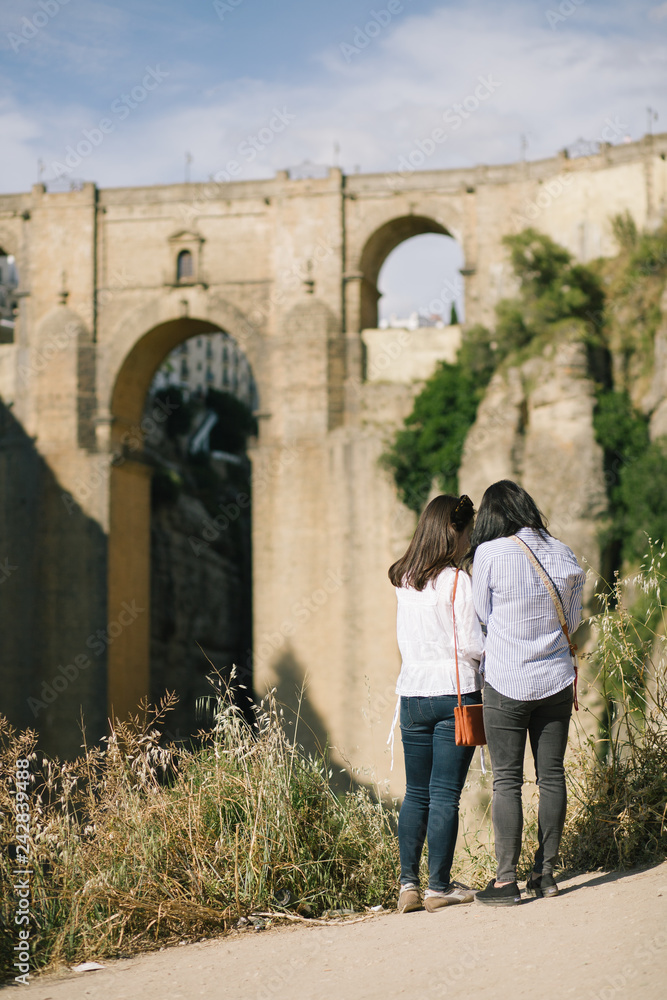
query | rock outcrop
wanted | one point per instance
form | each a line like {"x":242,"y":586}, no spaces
{"x":535,"y":425}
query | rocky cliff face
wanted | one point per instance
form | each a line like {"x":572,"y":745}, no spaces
{"x":655,"y":402}
{"x":535,"y":425}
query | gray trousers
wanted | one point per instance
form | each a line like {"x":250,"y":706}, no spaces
{"x":507,"y":723}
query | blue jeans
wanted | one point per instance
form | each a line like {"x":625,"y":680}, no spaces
{"x":435,"y":772}
{"x":507,"y":723}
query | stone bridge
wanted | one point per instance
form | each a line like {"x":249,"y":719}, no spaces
{"x":289,"y":268}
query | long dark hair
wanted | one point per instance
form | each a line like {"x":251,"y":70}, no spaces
{"x":505,"y":508}
{"x":435,"y":542}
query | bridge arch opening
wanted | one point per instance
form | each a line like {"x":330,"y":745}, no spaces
{"x":179,"y":529}
{"x":420,"y":283}
{"x":377,"y":250}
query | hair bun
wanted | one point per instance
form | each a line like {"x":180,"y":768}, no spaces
{"x":463,"y":512}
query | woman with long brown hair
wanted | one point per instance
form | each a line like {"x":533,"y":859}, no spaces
{"x":429,"y":586}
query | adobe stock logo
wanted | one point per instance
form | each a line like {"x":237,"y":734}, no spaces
{"x":454,"y":117}
{"x":31,"y":26}
{"x":122,"y":108}
{"x":363,"y":36}
{"x":222,"y":7}
{"x":565,"y":9}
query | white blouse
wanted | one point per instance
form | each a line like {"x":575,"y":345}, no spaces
{"x":425,"y":635}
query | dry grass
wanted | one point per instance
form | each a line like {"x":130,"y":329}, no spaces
{"x":134,"y":845}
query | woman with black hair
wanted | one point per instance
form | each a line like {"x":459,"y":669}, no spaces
{"x":527,"y":589}
{"x":429,"y":587}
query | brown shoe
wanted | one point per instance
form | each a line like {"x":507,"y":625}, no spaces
{"x":409,"y":899}
{"x":456,"y":893}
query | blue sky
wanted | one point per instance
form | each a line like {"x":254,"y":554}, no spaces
{"x":372,"y":79}
{"x":559,"y":76}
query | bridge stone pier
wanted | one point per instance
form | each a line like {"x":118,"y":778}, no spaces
{"x":289,"y":269}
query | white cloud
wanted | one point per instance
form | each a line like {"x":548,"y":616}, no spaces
{"x":554,"y":87}
{"x":18,"y":130}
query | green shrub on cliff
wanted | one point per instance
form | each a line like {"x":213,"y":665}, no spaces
{"x":636,"y":475}
{"x":649,"y":256}
{"x":551,"y":289}
{"x":635,"y":467}
{"x":634,"y":286}
{"x":642,"y":500}
{"x":430,"y":444}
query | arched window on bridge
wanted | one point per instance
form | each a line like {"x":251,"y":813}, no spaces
{"x":184,"y":266}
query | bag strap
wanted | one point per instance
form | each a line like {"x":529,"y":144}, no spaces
{"x":555,"y":597}
{"x":456,"y":651}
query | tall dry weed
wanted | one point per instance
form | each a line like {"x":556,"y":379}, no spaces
{"x":618,"y":781}
{"x":134,"y":845}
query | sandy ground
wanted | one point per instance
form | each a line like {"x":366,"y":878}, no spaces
{"x":604,"y":937}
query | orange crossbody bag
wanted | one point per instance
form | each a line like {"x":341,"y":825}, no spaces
{"x":468,"y":719}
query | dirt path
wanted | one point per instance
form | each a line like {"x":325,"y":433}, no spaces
{"x":603,"y":938}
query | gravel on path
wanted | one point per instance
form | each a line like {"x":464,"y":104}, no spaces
{"x":603,"y":938}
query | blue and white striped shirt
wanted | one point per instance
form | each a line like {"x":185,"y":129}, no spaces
{"x":527,"y":655}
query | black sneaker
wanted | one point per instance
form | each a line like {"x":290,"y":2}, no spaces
{"x":504,"y":895}
{"x":541,"y":886}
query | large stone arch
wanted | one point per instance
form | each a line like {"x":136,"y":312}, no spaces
{"x":141,"y":339}
{"x":129,"y":554}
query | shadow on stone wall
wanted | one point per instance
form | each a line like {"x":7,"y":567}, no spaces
{"x":53,"y":625}
{"x":305,"y":725}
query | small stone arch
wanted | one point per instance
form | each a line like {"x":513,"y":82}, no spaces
{"x":186,"y":252}
{"x":376,"y":250}
{"x":184,"y":266}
